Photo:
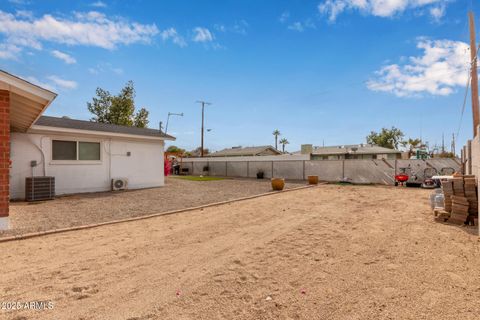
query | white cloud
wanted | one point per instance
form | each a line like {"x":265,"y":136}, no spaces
{"x":105,"y":67}
{"x":220,"y":27}
{"x":68,"y":59}
{"x":24,"y":14}
{"x":90,"y":29}
{"x":202,"y":35}
{"x":284,"y":17}
{"x":9,"y":51}
{"x":65,"y":84}
{"x":240,"y":27}
{"x":301,"y":26}
{"x":19,"y":2}
{"x":296,"y":26}
{"x":99,"y":4}
{"x":442,"y":67}
{"x":379,"y":8}
{"x":437,"y":12}
{"x":172,"y":34}
{"x":39,"y":83}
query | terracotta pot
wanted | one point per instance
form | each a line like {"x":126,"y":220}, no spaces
{"x":278,"y":184}
{"x":312,"y":179}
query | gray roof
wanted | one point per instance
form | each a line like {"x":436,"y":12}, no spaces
{"x":347,"y":149}
{"x":96,"y":126}
{"x":246,"y":151}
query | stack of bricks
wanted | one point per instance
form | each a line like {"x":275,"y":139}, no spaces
{"x":459,"y":210}
{"x":447,"y":188}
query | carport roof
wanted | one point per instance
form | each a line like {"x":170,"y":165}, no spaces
{"x":27,"y":101}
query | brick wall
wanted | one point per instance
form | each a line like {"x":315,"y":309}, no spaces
{"x":4,"y":151}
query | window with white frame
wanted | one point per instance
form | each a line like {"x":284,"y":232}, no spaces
{"x":75,"y":150}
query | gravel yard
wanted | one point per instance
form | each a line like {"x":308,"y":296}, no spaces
{"x":82,"y":209}
{"x":330,"y":252}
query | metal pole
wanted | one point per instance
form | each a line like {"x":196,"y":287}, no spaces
{"x":168,"y":118}
{"x":204,"y":103}
{"x":474,"y":83}
{"x":203,"y":117}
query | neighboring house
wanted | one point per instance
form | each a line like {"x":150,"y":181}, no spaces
{"x":246,"y":151}
{"x":357,"y":151}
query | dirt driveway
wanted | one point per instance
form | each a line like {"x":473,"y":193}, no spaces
{"x":331,"y":252}
{"x":82,"y":209}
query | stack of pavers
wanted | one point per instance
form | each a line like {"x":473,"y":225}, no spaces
{"x":460,"y":200}
{"x":470,"y":187}
{"x":459,"y":213}
{"x":447,"y":188}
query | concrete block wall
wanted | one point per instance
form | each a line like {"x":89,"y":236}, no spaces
{"x":327,"y":170}
{"x":256,"y":166}
{"x":237,"y":169}
{"x":357,"y":171}
{"x":292,"y":170}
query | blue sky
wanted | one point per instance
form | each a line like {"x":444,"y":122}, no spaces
{"x":325,"y":71}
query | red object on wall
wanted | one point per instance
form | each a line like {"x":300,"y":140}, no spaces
{"x":4,"y":152}
{"x":166,"y":167}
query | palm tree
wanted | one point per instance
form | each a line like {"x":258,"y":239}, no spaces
{"x":276,"y":133}
{"x":284,"y":142}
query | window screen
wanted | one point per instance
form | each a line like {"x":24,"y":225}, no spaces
{"x":88,"y":151}
{"x":64,"y":150}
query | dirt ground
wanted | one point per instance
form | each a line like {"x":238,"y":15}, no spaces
{"x":82,"y":209}
{"x":330,"y":252}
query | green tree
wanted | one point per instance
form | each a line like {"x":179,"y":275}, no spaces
{"x":175,"y":149}
{"x":276,"y":133}
{"x":118,"y":109}
{"x":445,"y":155}
{"x":284,"y":142}
{"x":412,"y":144}
{"x":141,"y":118}
{"x":198,"y":151}
{"x":387,"y":138}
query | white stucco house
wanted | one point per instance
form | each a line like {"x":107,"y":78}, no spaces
{"x":85,"y":156}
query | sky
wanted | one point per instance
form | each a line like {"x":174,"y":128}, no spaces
{"x":322,"y":72}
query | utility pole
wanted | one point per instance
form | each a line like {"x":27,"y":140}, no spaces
{"x":453,"y":143}
{"x":443,"y":143}
{"x":474,"y":74}
{"x":203,"y":103}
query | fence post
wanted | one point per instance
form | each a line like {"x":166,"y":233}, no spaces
{"x":226,"y":168}
{"x":248,"y":169}
{"x":303,"y":169}
{"x":272,"y":168}
{"x":343,"y":170}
